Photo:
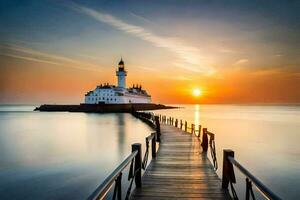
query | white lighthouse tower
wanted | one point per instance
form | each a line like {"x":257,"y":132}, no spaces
{"x":121,"y":74}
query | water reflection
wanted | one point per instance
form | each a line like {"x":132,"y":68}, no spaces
{"x":121,"y":133}
{"x":197,"y":116}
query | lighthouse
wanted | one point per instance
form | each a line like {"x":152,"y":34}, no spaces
{"x":117,"y":94}
{"x":121,"y":74}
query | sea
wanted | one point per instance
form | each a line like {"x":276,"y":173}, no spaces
{"x":62,"y":155}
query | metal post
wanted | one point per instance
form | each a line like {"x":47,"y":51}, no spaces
{"x":138,"y":164}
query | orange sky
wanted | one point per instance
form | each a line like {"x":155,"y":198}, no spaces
{"x":39,"y":83}
{"x":235,"y":52}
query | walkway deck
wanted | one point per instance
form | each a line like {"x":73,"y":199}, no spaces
{"x":180,"y":170}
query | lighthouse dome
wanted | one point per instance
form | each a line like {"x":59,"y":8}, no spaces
{"x":121,"y":62}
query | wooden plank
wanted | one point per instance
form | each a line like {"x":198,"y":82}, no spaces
{"x":180,"y":170}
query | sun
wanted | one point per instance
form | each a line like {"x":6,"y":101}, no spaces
{"x":197,"y":92}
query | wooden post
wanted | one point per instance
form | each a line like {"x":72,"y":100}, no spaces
{"x":192,"y":130}
{"x":181,"y":124}
{"x":119,"y":182}
{"x":153,"y":145}
{"x":157,"y":129}
{"x":176,"y":123}
{"x":204,"y":140}
{"x":185,"y":126}
{"x":199,"y":131}
{"x":228,"y":172}
{"x":138,"y":164}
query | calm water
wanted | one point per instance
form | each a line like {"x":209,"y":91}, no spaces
{"x":66,"y":155}
{"x":61,"y":155}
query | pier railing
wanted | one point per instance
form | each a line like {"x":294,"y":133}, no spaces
{"x":134,"y":159}
{"x":229,"y":162}
{"x":135,"y":172}
{"x":150,"y":119}
{"x":228,"y":178}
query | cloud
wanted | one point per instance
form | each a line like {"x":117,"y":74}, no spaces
{"x":39,"y":56}
{"x":142,"y":18}
{"x":30,"y":59}
{"x":189,"y":55}
{"x":177,"y":78}
{"x":241,"y":61}
{"x":224,"y":50}
{"x":90,"y":57}
{"x":278,"y":55}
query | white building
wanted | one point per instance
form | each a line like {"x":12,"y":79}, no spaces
{"x":111,"y":94}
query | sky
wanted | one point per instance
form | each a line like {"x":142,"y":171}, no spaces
{"x":234,"y":51}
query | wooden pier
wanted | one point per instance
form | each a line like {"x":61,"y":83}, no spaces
{"x":180,"y":170}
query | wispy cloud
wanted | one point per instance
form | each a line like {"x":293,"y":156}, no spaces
{"x":142,"y":18}
{"x":177,"y":78}
{"x":90,"y":57}
{"x":43,"y":57}
{"x":189,"y":55}
{"x":225,"y":50}
{"x":30,"y":59}
{"x":241,"y":61}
